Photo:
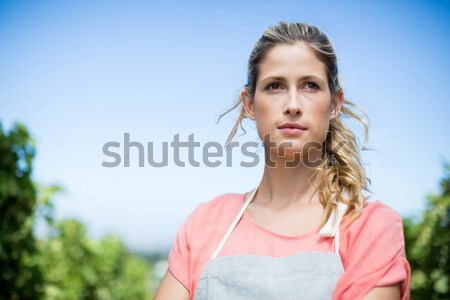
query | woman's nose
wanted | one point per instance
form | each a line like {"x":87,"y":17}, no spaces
{"x":293,"y":104}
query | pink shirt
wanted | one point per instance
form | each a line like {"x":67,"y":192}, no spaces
{"x":372,"y":248}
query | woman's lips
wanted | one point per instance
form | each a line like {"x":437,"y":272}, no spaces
{"x":292,"y":131}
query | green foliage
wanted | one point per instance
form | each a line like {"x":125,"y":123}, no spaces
{"x":21,"y":277}
{"x":427,"y":246}
{"x":45,"y":208}
{"x":77,"y":268}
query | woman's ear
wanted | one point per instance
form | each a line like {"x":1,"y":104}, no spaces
{"x":339,"y":99}
{"x":247,"y":104}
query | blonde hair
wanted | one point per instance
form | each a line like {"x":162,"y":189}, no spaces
{"x":344,"y":175}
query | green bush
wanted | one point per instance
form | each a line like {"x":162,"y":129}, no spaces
{"x":427,"y":246}
{"x":78,"y":268}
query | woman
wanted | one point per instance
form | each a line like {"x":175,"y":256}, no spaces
{"x":306,"y":231}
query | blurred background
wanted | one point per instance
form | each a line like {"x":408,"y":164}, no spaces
{"x":76,"y":75}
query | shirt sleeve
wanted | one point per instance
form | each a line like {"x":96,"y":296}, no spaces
{"x":179,"y":256}
{"x":375,"y":255}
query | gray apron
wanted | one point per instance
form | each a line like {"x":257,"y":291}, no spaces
{"x":299,"y":276}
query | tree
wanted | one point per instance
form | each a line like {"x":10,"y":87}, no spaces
{"x":21,"y":277}
{"x":427,"y":246}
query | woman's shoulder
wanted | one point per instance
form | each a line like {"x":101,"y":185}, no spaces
{"x":222,"y":205}
{"x":375,"y":218}
{"x":379,"y":210}
{"x":222,"y":201}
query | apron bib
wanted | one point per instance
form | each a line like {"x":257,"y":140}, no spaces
{"x":299,"y":276}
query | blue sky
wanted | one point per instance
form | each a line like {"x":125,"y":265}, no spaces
{"x":82,"y":73}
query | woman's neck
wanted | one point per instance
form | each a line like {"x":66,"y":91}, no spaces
{"x":284,"y":187}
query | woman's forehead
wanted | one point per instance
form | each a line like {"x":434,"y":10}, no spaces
{"x":291,"y":60}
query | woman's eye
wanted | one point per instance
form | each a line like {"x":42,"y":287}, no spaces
{"x":273,"y":86}
{"x":311,"y":85}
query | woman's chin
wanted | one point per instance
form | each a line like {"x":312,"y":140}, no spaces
{"x":292,"y":157}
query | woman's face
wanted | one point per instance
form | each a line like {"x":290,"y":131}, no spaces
{"x":292,"y":87}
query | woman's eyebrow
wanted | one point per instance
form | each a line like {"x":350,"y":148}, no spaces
{"x":283,"y":79}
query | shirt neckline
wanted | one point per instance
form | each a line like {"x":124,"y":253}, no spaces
{"x":249,"y":218}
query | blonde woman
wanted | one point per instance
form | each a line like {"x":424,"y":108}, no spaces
{"x":306,"y":231}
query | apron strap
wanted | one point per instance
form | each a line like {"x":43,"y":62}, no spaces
{"x":236,"y":220}
{"x":331,"y":227}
